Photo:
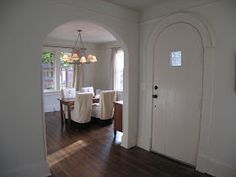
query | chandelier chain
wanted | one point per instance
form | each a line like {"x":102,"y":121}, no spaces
{"x":78,"y":55}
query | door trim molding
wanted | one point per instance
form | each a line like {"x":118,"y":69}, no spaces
{"x":208,"y":43}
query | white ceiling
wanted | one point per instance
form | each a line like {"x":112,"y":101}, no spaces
{"x":94,"y":33}
{"x":136,"y":4}
{"x":90,"y":32}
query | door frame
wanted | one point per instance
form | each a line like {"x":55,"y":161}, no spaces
{"x":208,"y":43}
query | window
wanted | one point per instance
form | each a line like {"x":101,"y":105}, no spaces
{"x":56,"y":74}
{"x":48,"y":71}
{"x":66,"y":73}
{"x":118,"y":70}
{"x":176,"y":58}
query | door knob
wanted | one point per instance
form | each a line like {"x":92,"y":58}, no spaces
{"x":154,"y":96}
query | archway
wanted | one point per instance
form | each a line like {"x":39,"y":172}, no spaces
{"x":33,"y":21}
{"x":52,"y":47}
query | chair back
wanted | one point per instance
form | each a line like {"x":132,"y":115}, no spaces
{"x":88,"y":89}
{"x":106,"y":103}
{"x":98,"y":91}
{"x":82,"y":108}
{"x":68,"y":93}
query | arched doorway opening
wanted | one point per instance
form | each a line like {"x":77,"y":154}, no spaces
{"x":33,"y":21}
{"x":98,"y":40}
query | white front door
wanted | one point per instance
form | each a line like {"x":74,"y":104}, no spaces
{"x":178,"y":71}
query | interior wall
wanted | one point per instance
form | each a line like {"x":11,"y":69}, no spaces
{"x":24,"y":25}
{"x":103,"y":67}
{"x":50,"y":102}
{"x":220,"y":160}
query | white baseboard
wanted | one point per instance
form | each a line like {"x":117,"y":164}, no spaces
{"x":31,"y":170}
{"x":143,"y":143}
{"x":220,"y":169}
{"x":214,"y":167}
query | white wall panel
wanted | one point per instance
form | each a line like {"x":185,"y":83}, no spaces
{"x":24,"y":25}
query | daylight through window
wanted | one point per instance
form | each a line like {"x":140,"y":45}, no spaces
{"x":56,"y":73}
{"x":48,"y":71}
{"x":119,"y":70}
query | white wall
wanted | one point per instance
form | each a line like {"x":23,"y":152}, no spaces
{"x":24,"y":25}
{"x":220,"y":160}
{"x":103,"y":67}
{"x":50,"y":102}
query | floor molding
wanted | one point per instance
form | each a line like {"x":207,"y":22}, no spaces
{"x":220,"y":169}
{"x":31,"y":170}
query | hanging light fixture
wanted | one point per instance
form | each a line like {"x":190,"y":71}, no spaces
{"x":78,"y":54}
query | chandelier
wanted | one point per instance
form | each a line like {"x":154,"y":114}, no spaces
{"x":78,"y":54}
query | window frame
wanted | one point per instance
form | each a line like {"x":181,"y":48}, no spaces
{"x":172,"y":61}
{"x":66,"y":72}
{"x":54,"y":89}
{"x":56,"y":67}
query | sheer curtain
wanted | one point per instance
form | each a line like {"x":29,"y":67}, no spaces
{"x":78,"y":77}
{"x":118,"y":70}
{"x":112,"y":67}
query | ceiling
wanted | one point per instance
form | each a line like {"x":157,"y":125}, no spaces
{"x":90,"y":32}
{"x":94,"y":33}
{"x":136,"y":4}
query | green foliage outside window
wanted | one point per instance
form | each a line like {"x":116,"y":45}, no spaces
{"x":47,"y":57}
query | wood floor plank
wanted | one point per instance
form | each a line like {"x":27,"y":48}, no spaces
{"x":93,"y":152}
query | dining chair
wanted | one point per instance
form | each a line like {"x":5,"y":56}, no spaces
{"x":104,"y":110}
{"x":88,"y":89}
{"x":98,"y":91}
{"x":67,"y":93}
{"x":82,"y":108}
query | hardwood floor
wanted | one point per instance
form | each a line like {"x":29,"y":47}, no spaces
{"x":92,"y":152}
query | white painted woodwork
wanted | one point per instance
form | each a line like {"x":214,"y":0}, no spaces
{"x":22,"y":131}
{"x":177,"y":110}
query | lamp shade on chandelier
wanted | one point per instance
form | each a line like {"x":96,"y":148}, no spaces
{"x":78,"y":54}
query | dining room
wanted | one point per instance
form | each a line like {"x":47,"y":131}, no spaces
{"x":81,"y":96}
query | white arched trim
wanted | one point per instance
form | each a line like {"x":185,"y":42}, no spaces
{"x":208,"y":78}
{"x":129,"y":120}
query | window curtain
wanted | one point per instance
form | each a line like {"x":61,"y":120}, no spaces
{"x":78,"y":77}
{"x":112,"y":67}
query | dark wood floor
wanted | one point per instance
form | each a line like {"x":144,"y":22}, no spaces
{"x":92,"y":152}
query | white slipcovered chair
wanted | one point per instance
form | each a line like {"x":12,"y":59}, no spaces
{"x":105,"y":108}
{"x":82,"y":108}
{"x":67,"y":93}
{"x":88,"y":89}
{"x":98,"y":91}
